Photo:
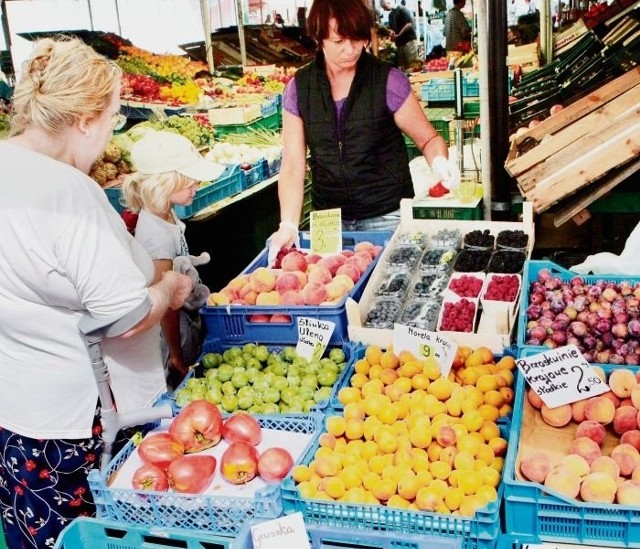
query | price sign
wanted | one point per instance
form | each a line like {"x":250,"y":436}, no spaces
{"x":326,"y":231}
{"x":424,"y":344}
{"x":287,"y":531}
{"x":313,"y":337}
{"x":561,"y":376}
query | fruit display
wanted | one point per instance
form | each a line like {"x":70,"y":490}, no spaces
{"x":300,"y":278}
{"x":263,"y":381}
{"x":169,"y":463}
{"x":600,"y":317}
{"x":479,"y":239}
{"x":408,"y":438}
{"x":196,"y":129}
{"x":501,"y":288}
{"x":598,"y":459}
{"x":458,"y":316}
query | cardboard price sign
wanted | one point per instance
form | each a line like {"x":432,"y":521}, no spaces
{"x":287,"y":531}
{"x":326,"y":231}
{"x":424,"y":344}
{"x":561,"y":376}
{"x":313,"y":337}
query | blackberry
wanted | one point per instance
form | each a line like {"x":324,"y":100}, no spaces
{"x":479,"y":239}
{"x":504,"y":261}
{"x":512,"y":239}
{"x":472,"y":261}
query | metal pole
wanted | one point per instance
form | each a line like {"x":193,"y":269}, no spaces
{"x":546,"y":31}
{"x":118,"y":18}
{"x":5,"y":25}
{"x":206,"y":23}
{"x":90,"y":14}
{"x":243,"y":46}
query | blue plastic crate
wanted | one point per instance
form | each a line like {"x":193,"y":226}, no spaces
{"x":478,"y":532}
{"x":274,"y":166}
{"x":256,"y":174}
{"x":216,"y":346}
{"x":204,"y":514}
{"x":229,"y":183}
{"x":470,"y":86}
{"x":540,"y":514}
{"x":114,"y":194}
{"x":234,"y":324}
{"x":438,"y":89}
{"x":84,"y":533}
{"x":270,"y":106}
{"x":326,"y":537}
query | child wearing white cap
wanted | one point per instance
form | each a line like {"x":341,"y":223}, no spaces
{"x":168,"y":170}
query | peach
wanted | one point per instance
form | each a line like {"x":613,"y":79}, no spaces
{"x":564,"y":481}
{"x":534,"y":399}
{"x":376,"y":250}
{"x":605,"y":464}
{"x":344,"y":279}
{"x":635,"y":396}
{"x":626,"y":402}
{"x":535,"y":467}
{"x":628,"y":493}
{"x":347,"y":253}
{"x":577,"y":410}
{"x":600,"y":409}
{"x":575,"y":463}
{"x":287,"y":280}
{"x":320,"y":274}
{"x":625,"y":419}
{"x":631,"y":437}
{"x":268,"y":298}
{"x":280,"y":318}
{"x":612,"y":397}
{"x":312,"y":259}
{"x":598,"y":487}
{"x":364,"y":246}
{"x":331,"y":263}
{"x":622,"y":381}
{"x":262,"y":280}
{"x":294,"y":261}
{"x":335,"y":290}
{"x":591,"y":429}
{"x":635,"y":475}
{"x":586,"y":448}
{"x":291,"y":298}
{"x":600,"y":373}
{"x":238,"y":282}
{"x":218,"y":298}
{"x":363,"y":260}
{"x":445,"y":435}
{"x":302,"y":276}
{"x":350,"y":270}
{"x":259,"y":318}
{"x":627,"y":458}
{"x":556,"y":417}
{"x":248,"y":294}
{"x":314,"y":293}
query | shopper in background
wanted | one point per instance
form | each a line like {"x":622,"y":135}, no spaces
{"x":350,"y":110}
{"x":168,"y":170}
{"x":65,"y":253}
{"x":403,"y":34}
{"x":457,"y":31}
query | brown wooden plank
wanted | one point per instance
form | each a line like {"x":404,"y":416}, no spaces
{"x":570,"y":140}
{"x":583,"y":106}
{"x":600,"y":189}
{"x":619,"y":143}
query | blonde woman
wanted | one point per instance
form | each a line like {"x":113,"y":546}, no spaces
{"x":65,"y":253}
{"x":168,"y":170}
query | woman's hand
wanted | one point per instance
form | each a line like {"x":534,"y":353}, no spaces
{"x":180,"y":287}
{"x":285,"y":236}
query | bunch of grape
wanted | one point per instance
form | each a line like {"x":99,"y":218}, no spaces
{"x":199,"y":134}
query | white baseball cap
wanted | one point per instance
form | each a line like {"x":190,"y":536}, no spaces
{"x":161,"y":152}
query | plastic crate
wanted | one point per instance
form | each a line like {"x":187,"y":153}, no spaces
{"x":200,"y":513}
{"x":442,"y":127}
{"x":470,"y":86}
{"x":256,"y":174}
{"x":438,"y":89}
{"x":532,"y":510}
{"x":326,"y":537}
{"x":114,"y":194}
{"x":478,"y":532}
{"x":472,"y":212}
{"x":216,"y":346}
{"x":274,"y":166}
{"x":412,"y":149}
{"x":270,"y":122}
{"x":232,"y":181}
{"x":83,"y":533}
{"x":270,"y":106}
{"x":233,"y":324}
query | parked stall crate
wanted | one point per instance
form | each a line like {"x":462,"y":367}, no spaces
{"x":83,"y":533}
{"x":203,"y":514}
{"x":239,"y":324}
{"x":425,"y":209}
{"x":538,"y":514}
{"x":481,"y":531}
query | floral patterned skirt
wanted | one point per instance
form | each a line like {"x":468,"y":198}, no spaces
{"x":43,"y":485}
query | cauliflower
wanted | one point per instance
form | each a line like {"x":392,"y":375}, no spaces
{"x":112,"y":153}
{"x":98,"y":172}
{"x":110,"y":170}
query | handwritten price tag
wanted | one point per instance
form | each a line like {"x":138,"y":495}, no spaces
{"x":326,"y":231}
{"x":424,"y":344}
{"x":287,"y":531}
{"x":313,"y":337}
{"x":561,"y":376}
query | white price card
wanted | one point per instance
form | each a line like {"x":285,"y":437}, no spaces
{"x":286,"y":531}
{"x":326,"y":231}
{"x":424,"y":344}
{"x":561,"y":376}
{"x":313,"y":337}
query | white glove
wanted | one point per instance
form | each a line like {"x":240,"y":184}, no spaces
{"x":446,"y":171}
{"x":286,"y":235}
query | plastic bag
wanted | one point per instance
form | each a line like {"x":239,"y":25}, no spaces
{"x":626,"y":263}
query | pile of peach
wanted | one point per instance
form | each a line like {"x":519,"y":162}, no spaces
{"x":587,"y":472}
{"x":304,"y":279}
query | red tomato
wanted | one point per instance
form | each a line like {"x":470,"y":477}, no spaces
{"x":274,"y":464}
{"x":198,"y":426}
{"x":160,"y":449}
{"x":191,"y":474}
{"x":150,"y":477}
{"x":239,"y":463}
{"x":242,"y":427}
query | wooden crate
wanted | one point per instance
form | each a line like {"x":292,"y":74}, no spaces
{"x":580,"y":145}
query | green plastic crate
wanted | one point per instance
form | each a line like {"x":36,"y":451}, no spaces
{"x":472,"y":212}
{"x":271,"y":122}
